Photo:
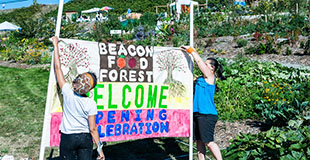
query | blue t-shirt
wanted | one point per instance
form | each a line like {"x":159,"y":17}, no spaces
{"x":204,"y":97}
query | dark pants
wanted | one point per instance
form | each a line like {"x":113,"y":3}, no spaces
{"x":204,"y":125}
{"x":76,"y":146}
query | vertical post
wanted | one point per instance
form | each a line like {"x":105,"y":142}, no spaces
{"x":266,"y":20}
{"x":59,"y":17}
{"x":170,"y":8}
{"x":206,"y":3}
{"x":191,"y":28}
{"x":46,"y":129}
{"x":191,"y":13}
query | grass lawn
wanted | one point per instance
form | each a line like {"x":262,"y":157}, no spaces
{"x":22,"y":104}
{"x":23,"y":94}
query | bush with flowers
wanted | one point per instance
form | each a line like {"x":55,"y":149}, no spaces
{"x":29,"y":50}
{"x":281,"y":102}
{"x":36,"y":52}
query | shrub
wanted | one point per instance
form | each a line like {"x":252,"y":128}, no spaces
{"x":242,"y":42}
{"x":276,"y":143}
{"x":26,"y":50}
{"x":279,"y":113}
{"x":262,"y":48}
{"x":177,"y":42}
{"x":302,"y":44}
{"x":307,"y":46}
{"x":288,"y":51}
{"x":246,"y":85}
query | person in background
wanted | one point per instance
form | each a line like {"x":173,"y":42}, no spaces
{"x":171,"y":27}
{"x":78,"y":126}
{"x":129,"y":13}
{"x":97,"y":17}
{"x":205,"y":113}
{"x":158,"y":26}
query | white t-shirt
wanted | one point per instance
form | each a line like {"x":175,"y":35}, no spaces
{"x":76,"y":110}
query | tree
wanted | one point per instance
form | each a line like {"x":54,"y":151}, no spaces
{"x":171,"y":61}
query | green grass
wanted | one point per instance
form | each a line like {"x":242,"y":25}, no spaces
{"x":23,"y":95}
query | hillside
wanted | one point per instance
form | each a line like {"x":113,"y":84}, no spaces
{"x":21,"y":14}
{"x":6,"y":11}
{"x":120,"y":6}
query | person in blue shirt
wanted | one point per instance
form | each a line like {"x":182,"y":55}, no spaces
{"x":205,"y":113}
{"x":129,"y":12}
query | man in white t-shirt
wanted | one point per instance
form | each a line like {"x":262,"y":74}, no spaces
{"x":78,"y":126}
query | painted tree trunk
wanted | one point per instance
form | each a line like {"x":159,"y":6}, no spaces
{"x":169,"y":77}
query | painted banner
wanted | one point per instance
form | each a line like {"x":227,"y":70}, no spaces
{"x":141,"y":92}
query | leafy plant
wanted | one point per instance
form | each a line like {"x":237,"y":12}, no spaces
{"x":262,"y":48}
{"x":288,"y":51}
{"x":276,"y":143}
{"x":242,"y":42}
{"x":307,"y":46}
{"x":302,"y":44}
{"x":237,"y":97}
{"x":279,"y":113}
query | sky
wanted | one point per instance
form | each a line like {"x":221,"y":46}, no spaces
{"x":9,"y":4}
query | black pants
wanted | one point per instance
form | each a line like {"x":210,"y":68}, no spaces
{"x":204,"y":125}
{"x":74,"y":146}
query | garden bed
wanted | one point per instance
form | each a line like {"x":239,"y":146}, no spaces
{"x":228,"y":49}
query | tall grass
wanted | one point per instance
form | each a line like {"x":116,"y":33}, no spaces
{"x":22,"y":104}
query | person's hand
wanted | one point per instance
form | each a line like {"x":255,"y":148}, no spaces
{"x":55,"y":40}
{"x":101,"y":156}
{"x":188,"y":49}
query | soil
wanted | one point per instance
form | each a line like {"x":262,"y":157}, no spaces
{"x":226,"y":131}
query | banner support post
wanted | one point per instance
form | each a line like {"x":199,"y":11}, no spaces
{"x":45,"y":130}
{"x":191,"y":28}
{"x":191,"y":108}
{"x":59,"y":17}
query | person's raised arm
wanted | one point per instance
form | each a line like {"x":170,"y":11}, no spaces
{"x":201,"y":64}
{"x":60,"y":77}
{"x":95,"y":135}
